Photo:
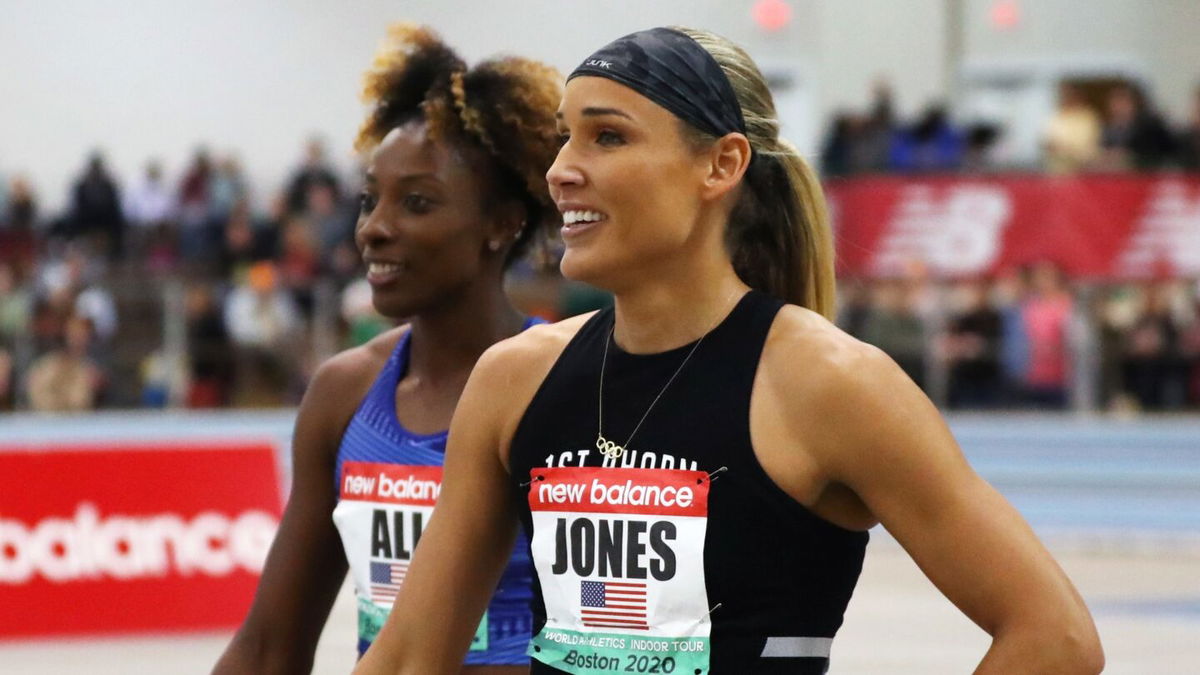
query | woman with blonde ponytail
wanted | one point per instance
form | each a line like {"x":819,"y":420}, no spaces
{"x":697,"y":468}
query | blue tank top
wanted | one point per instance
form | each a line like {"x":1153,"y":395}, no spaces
{"x":388,"y":479}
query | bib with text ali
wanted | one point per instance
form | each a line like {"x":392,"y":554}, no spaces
{"x":382,"y":511}
{"x":620,"y":557}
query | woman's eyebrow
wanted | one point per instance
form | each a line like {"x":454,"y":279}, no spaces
{"x":598,"y":112}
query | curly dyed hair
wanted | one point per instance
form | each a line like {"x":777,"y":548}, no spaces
{"x":504,"y":106}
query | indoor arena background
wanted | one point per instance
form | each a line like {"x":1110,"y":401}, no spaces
{"x":1015,"y":190}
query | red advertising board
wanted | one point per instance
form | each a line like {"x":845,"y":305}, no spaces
{"x":115,"y":539}
{"x":1102,"y":226}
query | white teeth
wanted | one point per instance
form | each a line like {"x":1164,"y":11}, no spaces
{"x":572,"y":217}
{"x":382,"y":268}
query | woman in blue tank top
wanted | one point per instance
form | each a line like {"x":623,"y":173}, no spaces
{"x":455,"y":190}
{"x":697,"y":468}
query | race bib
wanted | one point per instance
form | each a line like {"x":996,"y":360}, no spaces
{"x":620,"y":557}
{"x":382,"y":511}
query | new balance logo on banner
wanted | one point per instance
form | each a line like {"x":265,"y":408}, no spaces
{"x":92,"y":545}
{"x":1166,"y":235}
{"x":132,"y":537}
{"x":954,"y":230}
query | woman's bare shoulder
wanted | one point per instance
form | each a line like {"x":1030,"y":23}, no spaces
{"x":341,"y":381}
{"x":508,"y":375}
{"x":529,"y":355}
{"x":363,"y":361}
{"x":813,"y":361}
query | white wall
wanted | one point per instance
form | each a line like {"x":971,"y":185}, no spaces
{"x":1159,"y":37}
{"x":862,"y":41}
{"x":142,"y":78}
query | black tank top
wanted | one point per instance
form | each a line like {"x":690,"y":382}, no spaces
{"x":644,"y":562}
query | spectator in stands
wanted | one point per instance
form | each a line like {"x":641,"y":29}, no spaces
{"x":333,"y":223}
{"x":860,"y":143}
{"x":837,"y":152}
{"x":8,"y":389}
{"x":1153,"y":370}
{"x":51,"y":308}
{"x":149,"y":208}
{"x":854,"y":306}
{"x":18,"y":229}
{"x":1072,"y":138}
{"x":240,"y":248}
{"x":1189,"y":348}
{"x":314,"y":171}
{"x":362,"y":320}
{"x":979,"y":147}
{"x":972,"y":348}
{"x":76,"y":275}
{"x":932,"y":144}
{"x":15,"y":304}
{"x":66,"y":379}
{"x":227,"y":188}
{"x":149,"y":202}
{"x":894,"y":325}
{"x":299,"y":262}
{"x":1134,"y":136}
{"x":210,"y":360}
{"x":1045,"y":316}
{"x":1008,"y":294}
{"x":1114,"y":309}
{"x":259,"y":313}
{"x":872,"y":150}
{"x":1189,"y":139}
{"x":96,"y":208}
{"x":21,"y":210}
{"x":264,"y":325}
{"x":198,"y":235}
{"x":268,"y":228}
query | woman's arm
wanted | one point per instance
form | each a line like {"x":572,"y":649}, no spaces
{"x":869,"y":428}
{"x":306,"y":564}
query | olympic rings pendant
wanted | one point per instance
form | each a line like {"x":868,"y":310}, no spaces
{"x":608,"y":448}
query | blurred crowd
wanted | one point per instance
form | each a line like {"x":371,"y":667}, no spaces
{"x":1106,"y":126}
{"x":86,"y":315}
{"x":1030,"y":339}
{"x":149,"y":292}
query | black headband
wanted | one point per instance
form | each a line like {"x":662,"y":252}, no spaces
{"x":673,"y":70}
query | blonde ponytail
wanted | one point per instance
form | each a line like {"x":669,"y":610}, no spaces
{"x":816,"y":264}
{"x":778,"y":236}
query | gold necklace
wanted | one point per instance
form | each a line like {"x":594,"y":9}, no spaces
{"x":607,"y":447}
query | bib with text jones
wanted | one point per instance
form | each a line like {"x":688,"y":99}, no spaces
{"x":383,"y":509}
{"x":620,"y":557}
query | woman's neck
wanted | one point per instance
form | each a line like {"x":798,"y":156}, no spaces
{"x":677,"y":307}
{"x":445,"y":342}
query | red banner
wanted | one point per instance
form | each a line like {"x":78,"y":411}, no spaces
{"x":110,"y":539}
{"x":1106,"y":226}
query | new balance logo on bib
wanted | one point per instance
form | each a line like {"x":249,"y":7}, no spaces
{"x":383,"y":510}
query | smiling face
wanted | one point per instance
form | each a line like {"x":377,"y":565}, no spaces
{"x":423,"y":227}
{"x":627,"y":182}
